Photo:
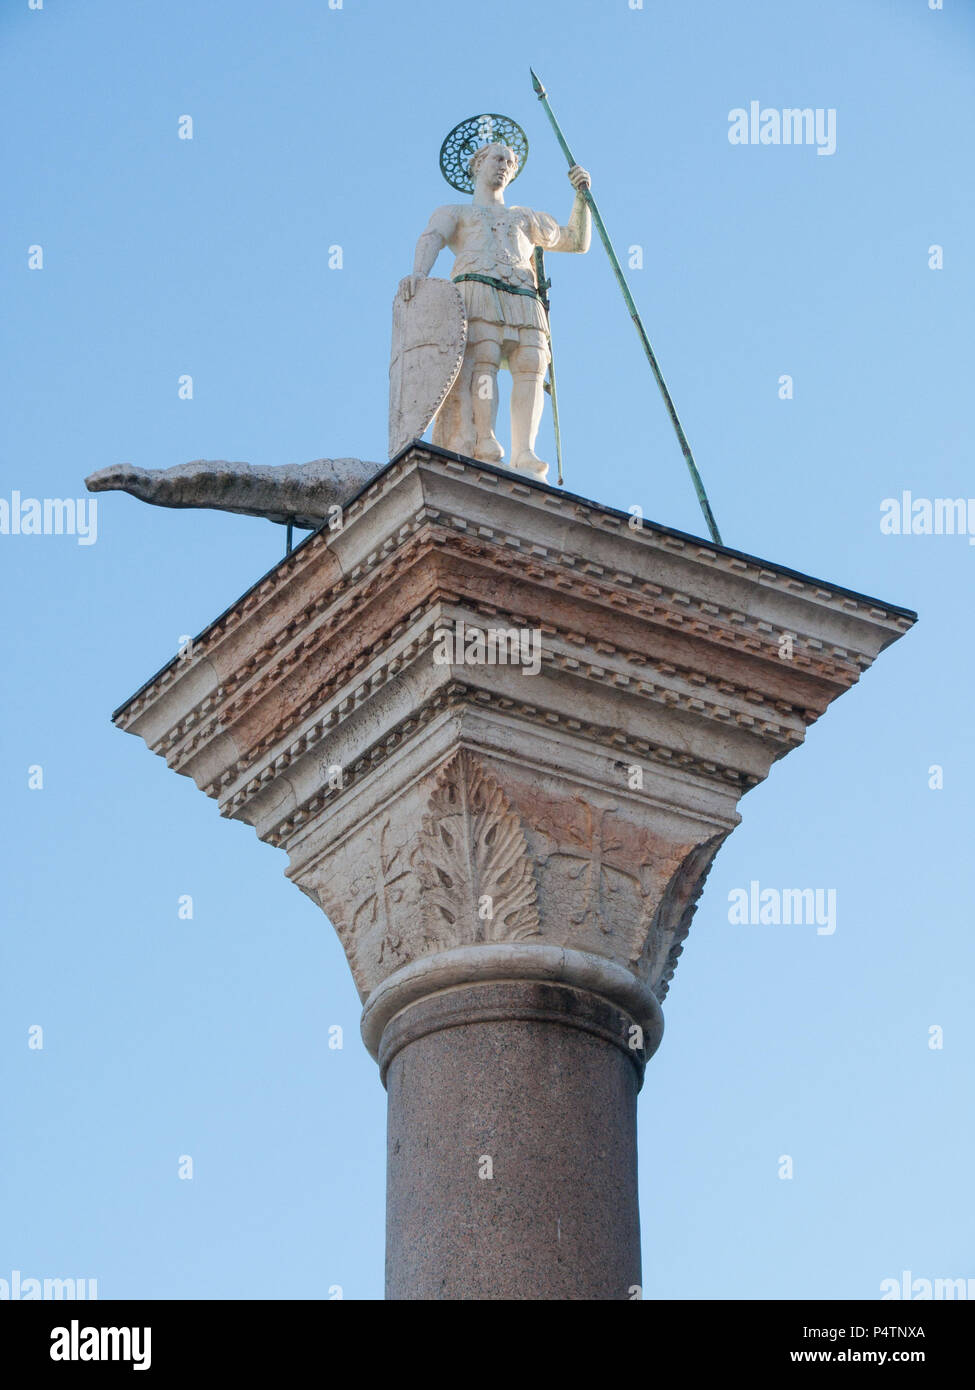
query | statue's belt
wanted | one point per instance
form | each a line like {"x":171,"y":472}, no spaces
{"x":500,"y":285}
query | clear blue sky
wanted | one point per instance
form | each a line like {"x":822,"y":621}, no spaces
{"x":316,"y":127}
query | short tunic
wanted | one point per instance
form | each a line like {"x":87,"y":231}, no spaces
{"x":498,"y":241}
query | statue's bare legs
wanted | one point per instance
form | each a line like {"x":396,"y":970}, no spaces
{"x":467,"y":420}
{"x":484,"y":347}
{"x":527,"y":362}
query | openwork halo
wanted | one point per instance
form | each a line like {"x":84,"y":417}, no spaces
{"x":468,"y":137}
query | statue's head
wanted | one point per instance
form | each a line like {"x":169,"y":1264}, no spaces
{"x":494,"y":165}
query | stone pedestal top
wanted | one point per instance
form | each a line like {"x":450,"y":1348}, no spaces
{"x":500,"y":730}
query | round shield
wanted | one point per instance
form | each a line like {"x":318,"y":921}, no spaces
{"x":468,"y":137}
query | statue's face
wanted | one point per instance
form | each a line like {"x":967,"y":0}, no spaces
{"x":498,"y":167}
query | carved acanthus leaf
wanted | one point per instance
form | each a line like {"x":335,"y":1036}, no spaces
{"x":675,"y":911}
{"x":476,"y":869}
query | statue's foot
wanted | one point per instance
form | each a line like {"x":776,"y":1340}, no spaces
{"x":488,"y":450}
{"x":529,"y":462}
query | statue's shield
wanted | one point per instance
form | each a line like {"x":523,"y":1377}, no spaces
{"x":429,"y":336}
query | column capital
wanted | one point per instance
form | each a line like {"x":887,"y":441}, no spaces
{"x":542,"y":805}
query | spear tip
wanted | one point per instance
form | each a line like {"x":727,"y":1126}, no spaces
{"x":536,"y":84}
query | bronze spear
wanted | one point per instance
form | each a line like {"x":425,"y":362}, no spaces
{"x":586,"y":193}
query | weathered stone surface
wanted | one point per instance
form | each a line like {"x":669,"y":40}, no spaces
{"x":303,"y":493}
{"x":658,"y":653}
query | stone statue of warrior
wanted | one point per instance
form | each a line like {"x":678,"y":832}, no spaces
{"x":492,"y":315}
{"x":494,"y":269}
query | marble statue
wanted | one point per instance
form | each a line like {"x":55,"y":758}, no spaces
{"x":490,"y":316}
{"x":493,"y":268}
